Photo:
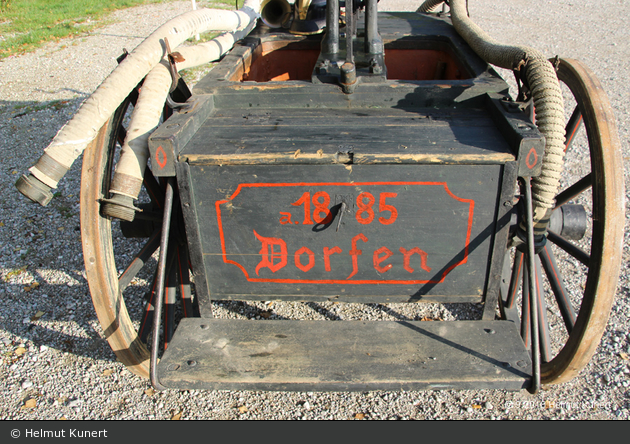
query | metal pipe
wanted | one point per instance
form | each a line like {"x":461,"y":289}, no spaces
{"x":274,"y":13}
{"x":330,"y":42}
{"x":373,"y":42}
{"x":349,"y":31}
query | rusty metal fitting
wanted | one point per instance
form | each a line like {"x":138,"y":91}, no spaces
{"x":348,"y":77}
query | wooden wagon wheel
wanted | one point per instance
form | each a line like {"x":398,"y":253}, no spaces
{"x":120,"y":257}
{"x":577,"y":279}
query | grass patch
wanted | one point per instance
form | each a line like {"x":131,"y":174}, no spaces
{"x":22,"y":110}
{"x":26,"y":24}
{"x":13,"y":273}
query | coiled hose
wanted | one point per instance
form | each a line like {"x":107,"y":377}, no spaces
{"x":74,"y":137}
{"x":128,"y":176}
{"x":545,"y":89}
{"x":429,"y":5}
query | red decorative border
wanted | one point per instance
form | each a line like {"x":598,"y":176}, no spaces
{"x":471,"y":206}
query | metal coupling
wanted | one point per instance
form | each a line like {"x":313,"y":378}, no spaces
{"x":34,"y":189}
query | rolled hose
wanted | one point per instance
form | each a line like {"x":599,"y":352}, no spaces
{"x":74,"y":137}
{"x":429,"y":5}
{"x":545,"y":88}
{"x":129,"y":173}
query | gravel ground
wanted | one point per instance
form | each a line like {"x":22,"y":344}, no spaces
{"x":55,"y":361}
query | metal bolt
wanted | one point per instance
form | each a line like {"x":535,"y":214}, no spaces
{"x":375,"y":68}
{"x":321,"y":67}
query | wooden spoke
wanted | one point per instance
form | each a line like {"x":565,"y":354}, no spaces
{"x":154,"y":190}
{"x":571,"y":249}
{"x":139,"y":261}
{"x":543,"y":323}
{"x":575,"y":121}
{"x":147,"y":319}
{"x":515,"y":279}
{"x":557,"y":286}
{"x":526,"y":313}
{"x":169,"y":303}
{"x":574,"y":190}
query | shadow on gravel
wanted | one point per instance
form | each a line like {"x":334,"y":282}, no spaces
{"x":45,"y":321}
{"x":13,"y":110}
{"x":242,"y":308}
{"x":44,"y":297}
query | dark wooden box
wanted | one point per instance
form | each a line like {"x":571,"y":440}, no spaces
{"x":401,"y":191}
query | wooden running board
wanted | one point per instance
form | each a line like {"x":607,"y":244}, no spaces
{"x":227,"y":354}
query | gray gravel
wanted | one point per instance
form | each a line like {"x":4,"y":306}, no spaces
{"x":55,"y":362}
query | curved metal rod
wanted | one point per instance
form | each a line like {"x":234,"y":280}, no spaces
{"x":533,"y":294}
{"x":155,"y":191}
{"x":161,"y":278}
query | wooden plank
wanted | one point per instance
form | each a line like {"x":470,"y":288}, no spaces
{"x":235,"y":137}
{"x":227,"y":354}
{"x":502,"y":231}
{"x":193,"y":236}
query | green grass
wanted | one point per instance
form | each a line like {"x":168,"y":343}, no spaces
{"x":26,"y":24}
